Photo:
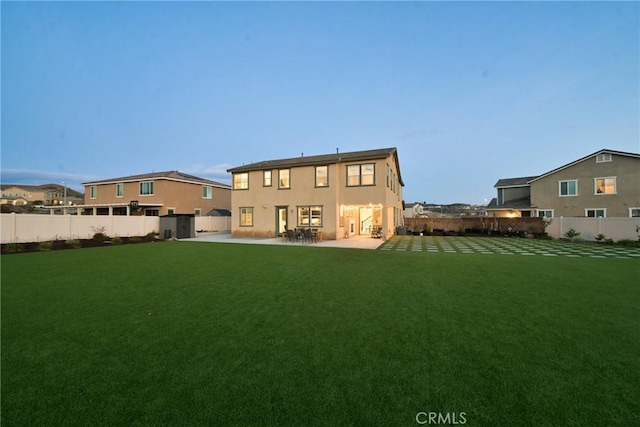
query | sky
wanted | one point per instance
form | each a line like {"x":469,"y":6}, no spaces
{"x":468,"y":92}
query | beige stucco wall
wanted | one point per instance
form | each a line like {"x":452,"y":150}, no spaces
{"x":545,"y":191}
{"x":335,"y":199}
{"x":184,"y":197}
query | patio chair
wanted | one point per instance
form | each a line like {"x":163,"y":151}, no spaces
{"x":376,"y":232}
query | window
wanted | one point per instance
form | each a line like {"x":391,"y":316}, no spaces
{"x":605,"y":185}
{"x":246,"y":217}
{"x":207,"y":192}
{"x":283,"y":178}
{"x":151,"y":212}
{"x":569,"y":188}
{"x":322,"y":176}
{"x":545,"y":213}
{"x":310,"y":216}
{"x":266,"y":179}
{"x":197,"y":211}
{"x":604,"y":157}
{"x":634,"y":212}
{"x":595,"y":213}
{"x":358,"y":175}
{"x":146,"y":188}
{"x":388,"y":175}
{"x":119,"y":211}
{"x":241,"y":181}
{"x":171,"y":211}
{"x":93,"y":191}
{"x":119,"y":190}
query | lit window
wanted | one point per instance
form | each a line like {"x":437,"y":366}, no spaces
{"x":207,"y":192}
{"x":93,"y":191}
{"x":322,"y":176}
{"x":146,"y":188}
{"x":119,"y":190}
{"x":605,"y":186}
{"x":283,"y":179}
{"x":241,"y":181}
{"x":246,"y":217}
{"x":310,"y":216}
{"x":595,"y":213}
{"x":569,"y":188}
{"x":266,"y":179}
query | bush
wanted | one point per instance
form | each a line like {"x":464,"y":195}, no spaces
{"x":100,"y":237}
{"x":74,"y":243}
{"x":13,"y":248}
{"x":116,"y":241}
{"x":571,"y":234}
{"x":45,"y":246}
{"x":629,"y":243}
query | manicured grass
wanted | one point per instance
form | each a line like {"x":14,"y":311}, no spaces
{"x":186,"y":333}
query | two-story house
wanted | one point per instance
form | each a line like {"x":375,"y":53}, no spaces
{"x":414,"y":210}
{"x":156,"y":194}
{"x":340,"y":194}
{"x":603,"y":184}
{"x":44,"y":194}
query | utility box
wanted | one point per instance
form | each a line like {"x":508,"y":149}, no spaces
{"x":180,"y":226}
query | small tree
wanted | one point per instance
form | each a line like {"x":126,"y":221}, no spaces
{"x":571,"y":234}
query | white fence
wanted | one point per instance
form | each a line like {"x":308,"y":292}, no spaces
{"x":590,"y":228}
{"x":21,"y":228}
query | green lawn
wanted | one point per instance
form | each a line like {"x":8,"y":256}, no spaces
{"x":188,"y":333}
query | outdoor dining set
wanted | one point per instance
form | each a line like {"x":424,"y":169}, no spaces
{"x":303,"y":235}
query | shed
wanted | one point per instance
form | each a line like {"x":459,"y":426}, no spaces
{"x":180,"y":226}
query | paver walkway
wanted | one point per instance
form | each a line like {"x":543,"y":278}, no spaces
{"x":506,"y":246}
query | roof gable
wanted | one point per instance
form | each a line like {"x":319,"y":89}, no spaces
{"x":514,"y":182}
{"x":590,"y":156}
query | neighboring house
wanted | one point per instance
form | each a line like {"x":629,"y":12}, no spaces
{"x":341,"y":194}
{"x":45,"y":194}
{"x":603,"y":184}
{"x":414,"y":210}
{"x":156,"y":194}
{"x":514,"y":198}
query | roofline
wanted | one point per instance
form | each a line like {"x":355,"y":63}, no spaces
{"x":604,"y":150}
{"x":142,"y":177}
{"x":322,"y":159}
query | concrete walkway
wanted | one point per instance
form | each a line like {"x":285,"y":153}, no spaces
{"x":355,"y":242}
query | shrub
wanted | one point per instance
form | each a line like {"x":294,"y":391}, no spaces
{"x":116,"y":241}
{"x":13,"y":248}
{"x":571,"y":234}
{"x":45,"y":246}
{"x":600,"y":237}
{"x":629,"y":243}
{"x":74,"y":243}
{"x":100,"y":237}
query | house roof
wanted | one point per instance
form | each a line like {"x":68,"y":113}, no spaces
{"x":169,"y":175}
{"x":521,"y":203}
{"x":43,"y":187}
{"x":603,"y":151}
{"x":322,"y":159}
{"x":514,"y":182}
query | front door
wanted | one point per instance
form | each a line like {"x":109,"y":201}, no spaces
{"x":281,"y":220}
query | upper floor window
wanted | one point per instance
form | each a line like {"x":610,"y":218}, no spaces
{"x":322,"y":176}
{"x":93,"y":191}
{"x":283,"y":178}
{"x":360,"y":175}
{"x":388,"y":185}
{"x":569,"y":188}
{"x":241,"y":181}
{"x":266,"y":179}
{"x":604,"y":157}
{"x":119,"y":189}
{"x":146,"y":188}
{"x":605,"y":185}
{"x":595,"y":213}
{"x":207,"y":192}
{"x":634,"y":212}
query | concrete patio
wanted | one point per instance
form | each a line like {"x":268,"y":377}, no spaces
{"x":355,"y":242}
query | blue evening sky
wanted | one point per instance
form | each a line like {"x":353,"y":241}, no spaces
{"x":469,"y":92}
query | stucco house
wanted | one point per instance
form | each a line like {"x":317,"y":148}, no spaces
{"x":340,"y":194}
{"x":414,"y":210}
{"x":603,"y":184}
{"x":155,"y":194}
{"x":44,"y":194}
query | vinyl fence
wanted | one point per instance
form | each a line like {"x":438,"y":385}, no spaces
{"x":590,"y":228}
{"x":22,"y":228}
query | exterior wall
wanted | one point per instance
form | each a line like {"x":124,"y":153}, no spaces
{"x":514,"y":193}
{"x":21,"y":228}
{"x":183,"y":197}
{"x":545,"y":191}
{"x":340,"y":203}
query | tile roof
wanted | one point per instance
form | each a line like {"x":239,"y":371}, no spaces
{"x":322,"y":159}
{"x":171,"y":175}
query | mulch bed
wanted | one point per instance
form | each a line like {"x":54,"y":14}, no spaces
{"x":13,"y":248}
